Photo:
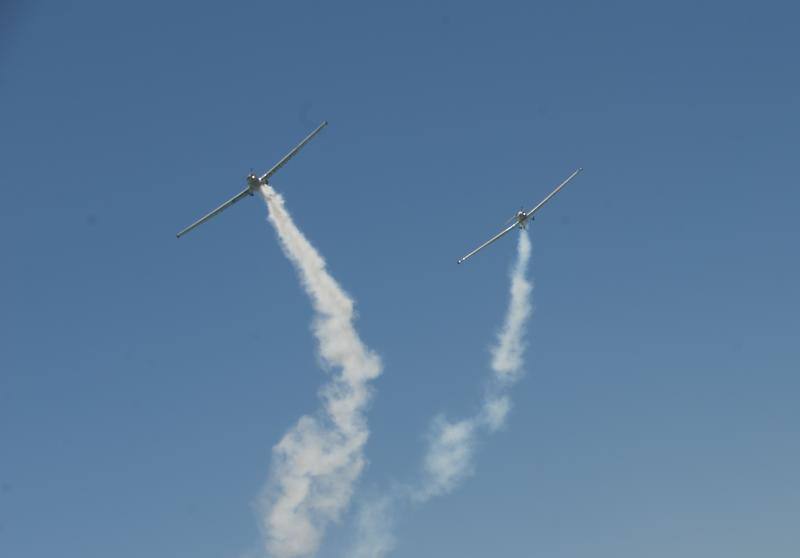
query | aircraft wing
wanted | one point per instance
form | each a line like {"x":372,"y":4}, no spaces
{"x":220,"y":209}
{"x":292,"y":153}
{"x":488,"y":242}
{"x":553,"y":193}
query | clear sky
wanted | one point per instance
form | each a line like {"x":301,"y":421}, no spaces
{"x":144,"y":379}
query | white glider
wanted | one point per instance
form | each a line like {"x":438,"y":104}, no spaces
{"x":254,"y":182}
{"x":521,"y":218}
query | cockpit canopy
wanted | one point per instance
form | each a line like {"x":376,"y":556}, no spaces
{"x":252,"y":181}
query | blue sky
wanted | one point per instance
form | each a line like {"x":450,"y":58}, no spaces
{"x":143,"y":380}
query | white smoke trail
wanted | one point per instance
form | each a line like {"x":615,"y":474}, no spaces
{"x":316,"y":464}
{"x":451,"y":445}
{"x":374,"y":528}
{"x":508,"y":352}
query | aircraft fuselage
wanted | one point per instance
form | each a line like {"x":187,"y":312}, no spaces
{"x":253,"y":183}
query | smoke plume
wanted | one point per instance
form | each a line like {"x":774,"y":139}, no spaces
{"x":451,"y":445}
{"x":315,"y":465}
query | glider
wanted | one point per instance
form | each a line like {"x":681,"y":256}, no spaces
{"x":522,"y":218}
{"x":254,"y":182}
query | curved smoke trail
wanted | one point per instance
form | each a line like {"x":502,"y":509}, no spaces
{"x":315,"y":465}
{"x":451,"y":445}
